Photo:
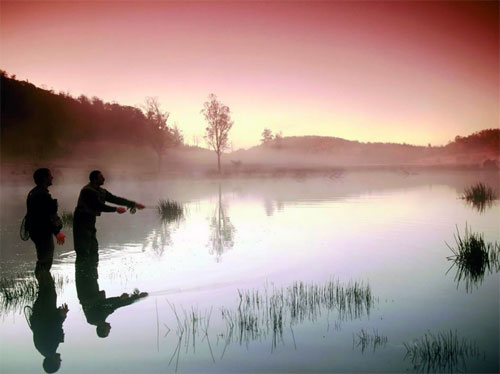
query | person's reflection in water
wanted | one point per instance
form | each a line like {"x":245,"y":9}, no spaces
{"x":95,"y":305}
{"x":46,"y":321}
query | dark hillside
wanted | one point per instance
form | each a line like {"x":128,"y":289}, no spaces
{"x":38,"y":124}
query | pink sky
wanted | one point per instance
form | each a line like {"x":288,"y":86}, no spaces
{"x":415,"y":72}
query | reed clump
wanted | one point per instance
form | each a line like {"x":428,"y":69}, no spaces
{"x":473,"y":257}
{"x":170,"y":211}
{"x":479,"y":196}
{"x":441,"y":352}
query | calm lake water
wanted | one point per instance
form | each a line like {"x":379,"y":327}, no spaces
{"x":330,"y":274}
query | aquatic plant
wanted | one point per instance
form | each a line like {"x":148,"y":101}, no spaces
{"x":364,"y":339}
{"x":442,"y":352}
{"x":67,"y":219}
{"x":473,"y":257}
{"x":170,"y":211}
{"x":479,"y":196}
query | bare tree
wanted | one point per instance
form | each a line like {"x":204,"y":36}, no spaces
{"x":160,"y":135}
{"x":219,"y":121}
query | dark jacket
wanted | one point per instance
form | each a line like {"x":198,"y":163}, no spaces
{"x":92,"y":201}
{"x":41,"y":217}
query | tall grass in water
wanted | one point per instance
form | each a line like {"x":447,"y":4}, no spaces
{"x":443,"y":352}
{"x":170,"y":211}
{"x":479,"y":196}
{"x":473,"y":257}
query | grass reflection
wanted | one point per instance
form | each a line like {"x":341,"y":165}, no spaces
{"x":364,"y":340}
{"x":272,"y":312}
{"x":474,"y":258}
{"x":441,"y":352}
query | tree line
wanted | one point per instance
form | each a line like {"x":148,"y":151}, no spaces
{"x":39,"y":124}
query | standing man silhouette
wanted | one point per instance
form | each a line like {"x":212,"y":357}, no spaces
{"x":91,"y":203}
{"x":42,"y":220}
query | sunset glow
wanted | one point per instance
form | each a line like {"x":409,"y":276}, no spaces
{"x":414,"y":72}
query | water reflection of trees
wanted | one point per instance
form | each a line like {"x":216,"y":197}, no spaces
{"x":170,"y":214}
{"x":222,"y":230}
{"x":271,"y":313}
{"x":270,"y":206}
{"x":159,"y":238}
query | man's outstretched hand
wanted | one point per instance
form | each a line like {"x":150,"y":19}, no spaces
{"x":60,"y":237}
{"x":120,"y":210}
{"x":139,"y":206}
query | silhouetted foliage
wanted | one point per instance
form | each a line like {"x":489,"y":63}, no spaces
{"x":488,"y":139}
{"x":267,"y":136}
{"x":38,"y":125}
{"x":158,"y":134}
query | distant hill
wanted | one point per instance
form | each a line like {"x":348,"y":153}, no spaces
{"x":330,"y":151}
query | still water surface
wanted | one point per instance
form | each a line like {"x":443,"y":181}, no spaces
{"x":267,"y":275}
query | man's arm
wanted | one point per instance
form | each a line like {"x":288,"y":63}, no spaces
{"x":119,"y":200}
{"x":92,"y":201}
